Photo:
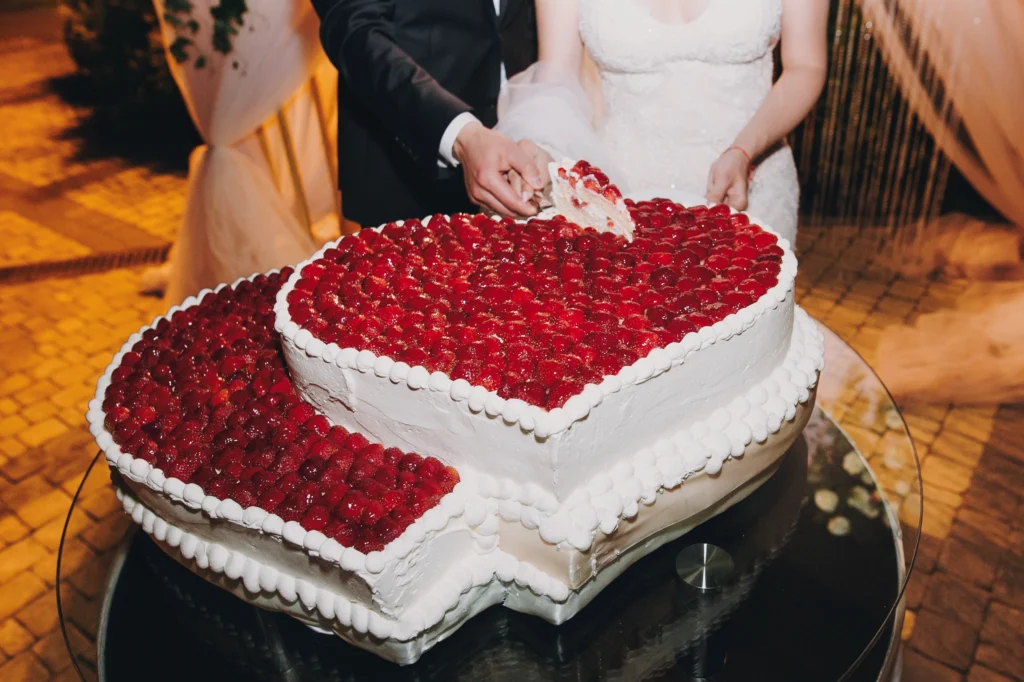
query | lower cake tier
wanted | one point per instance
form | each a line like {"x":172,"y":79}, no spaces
{"x":464,"y":569}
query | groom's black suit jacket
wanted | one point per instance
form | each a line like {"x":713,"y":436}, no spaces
{"x":406,"y":69}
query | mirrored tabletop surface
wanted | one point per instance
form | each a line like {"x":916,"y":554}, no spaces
{"x":803,"y":580}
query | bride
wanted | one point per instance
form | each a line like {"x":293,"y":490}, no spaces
{"x":675,"y":94}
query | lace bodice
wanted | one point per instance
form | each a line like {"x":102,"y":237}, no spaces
{"x":676,"y":95}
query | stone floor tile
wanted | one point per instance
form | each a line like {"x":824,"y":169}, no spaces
{"x":945,"y":640}
{"x":37,"y":434}
{"x":918,"y":668}
{"x":907,"y":631}
{"x":975,"y":562}
{"x":14,"y":638}
{"x":81,"y":610}
{"x":971,"y":525}
{"x":908,"y":290}
{"x":1006,"y":432}
{"x":37,"y":390}
{"x":1002,"y":472}
{"x":25,"y":667}
{"x":917,"y":587}
{"x":920,"y":436}
{"x":974,"y":422}
{"x":930,"y":411}
{"x":934,"y":494}
{"x":11,"y":448}
{"x":51,"y":505}
{"x":75,"y":555}
{"x":979,"y":673}
{"x":12,"y":426}
{"x":108,"y":532}
{"x":992,"y":499}
{"x":52,"y":651}
{"x":24,"y":465}
{"x":1016,"y":542}
{"x":14,"y":383}
{"x":40,"y":615}
{"x":938,"y":519}
{"x":867,"y":440}
{"x":74,"y":417}
{"x":18,"y":592}
{"x":25,"y":491}
{"x":49,"y":534}
{"x":19,"y":557}
{"x":1009,"y":584}
{"x":946,"y":474}
{"x":951,"y":597}
{"x":101,"y":503}
{"x":957,"y":447}
{"x":1002,"y":640}
{"x":12,"y":529}
{"x":66,"y":675}
{"x":95,"y":482}
{"x":46,"y":368}
{"x":67,"y":470}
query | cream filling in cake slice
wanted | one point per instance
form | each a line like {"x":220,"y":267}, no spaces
{"x":585,"y":196}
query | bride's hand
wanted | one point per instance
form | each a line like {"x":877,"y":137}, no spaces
{"x":541,"y":159}
{"x":727,"y":181}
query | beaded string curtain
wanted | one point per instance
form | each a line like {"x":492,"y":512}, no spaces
{"x":865,"y":158}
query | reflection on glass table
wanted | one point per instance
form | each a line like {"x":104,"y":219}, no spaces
{"x":817,"y":560}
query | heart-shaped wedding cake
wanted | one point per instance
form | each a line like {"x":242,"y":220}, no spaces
{"x":439,"y":415}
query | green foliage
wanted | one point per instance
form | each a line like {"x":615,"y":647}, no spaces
{"x":117,"y":47}
{"x":228,"y":17}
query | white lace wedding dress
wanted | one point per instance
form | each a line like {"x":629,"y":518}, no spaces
{"x":675,"y":97}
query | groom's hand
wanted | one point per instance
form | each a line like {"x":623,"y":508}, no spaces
{"x":486,"y":156}
{"x":541,"y":159}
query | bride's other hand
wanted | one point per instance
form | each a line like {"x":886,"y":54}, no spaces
{"x":541,"y":159}
{"x":728,"y":178}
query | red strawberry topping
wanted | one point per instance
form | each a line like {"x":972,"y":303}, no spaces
{"x":503,"y":304}
{"x":206,"y":397}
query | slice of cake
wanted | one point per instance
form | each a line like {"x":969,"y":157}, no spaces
{"x":585,"y":196}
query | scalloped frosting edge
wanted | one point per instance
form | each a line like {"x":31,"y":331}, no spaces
{"x":610,"y":497}
{"x":531,"y":418}
{"x":430,"y":610}
{"x":480,"y":499}
{"x":191,"y":495}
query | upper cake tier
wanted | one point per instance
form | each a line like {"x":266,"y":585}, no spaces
{"x":538,"y":351}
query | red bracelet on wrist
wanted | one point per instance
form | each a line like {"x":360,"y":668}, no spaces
{"x":750,"y":161}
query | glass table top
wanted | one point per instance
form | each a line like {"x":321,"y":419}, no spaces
{"x":819,"y":559}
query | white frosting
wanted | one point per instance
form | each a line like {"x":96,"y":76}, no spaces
{"x":667,"y":417}
{"x":466,"y":425}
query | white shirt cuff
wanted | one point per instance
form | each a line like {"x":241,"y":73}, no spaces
{"x":448,"y":139}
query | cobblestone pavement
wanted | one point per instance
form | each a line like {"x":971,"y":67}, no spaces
{"x":966,"y":598}
{"x":56,"y":204}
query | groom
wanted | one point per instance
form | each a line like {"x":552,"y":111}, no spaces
{"x":418,"y":90}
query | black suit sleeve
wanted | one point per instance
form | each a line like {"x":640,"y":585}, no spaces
{"x":358,"y":37}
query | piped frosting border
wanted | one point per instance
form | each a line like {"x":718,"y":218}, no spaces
{"x":479,"y":499}
{"x":530,"y":418}
{"x":607,"y":499}
{"x":315,"y":543}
